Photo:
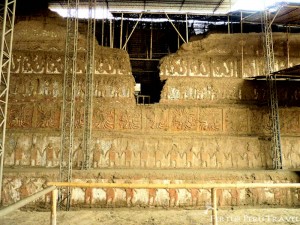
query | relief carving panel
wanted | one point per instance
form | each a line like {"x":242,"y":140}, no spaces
{"x":103,"y":118}
{"x":156,"y":118}
{"x":48,"y":116}
{"x":290,"y":121}
{"x":20,"y":116}
{"x":236,"y":120}
{"x":210,"y":120}
{"x":129,"y":119}
{"x":183,"y":119}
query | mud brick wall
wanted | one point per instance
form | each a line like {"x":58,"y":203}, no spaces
{"x":208,"y":118}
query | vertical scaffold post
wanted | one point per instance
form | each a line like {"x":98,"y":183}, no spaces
{"x":89,"y":74}
{"x":271,"y":81}
{"x":53,"y":207}
{"x":214,"y":206}
{"x":68,"y":106}
{"x":7,"y":20}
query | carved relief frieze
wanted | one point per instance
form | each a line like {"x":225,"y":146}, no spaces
{"x":33,"y":63}
{"x":156,"y":118}
{"x":54,"y":64}
{"x":23,"y":88}
{"x":20,"y":116}
{"x":236,"y":120}
{"x":113,"y":86}
{"x":291,"y":153}
{"x":183,"y":119}
{"x":199,"y":66}
{"x":103,"y":118}
{"x":259,"y":121}
{"x":290,"y":121}
{"x":129,"y":119}
{"x":48,"y":116}
{"x":224,"y":67}
{"x":210,"y":120}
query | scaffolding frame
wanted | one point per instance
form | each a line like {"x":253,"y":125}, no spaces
{"x":89,"y":75}
{"x":7,"y":18}
{"x":68,"y":106}
{"x":273,"y":99}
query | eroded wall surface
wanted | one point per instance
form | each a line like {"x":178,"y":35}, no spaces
{"x":208,"y":118}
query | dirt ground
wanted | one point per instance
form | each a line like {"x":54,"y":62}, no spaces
{"x":154,"y":216}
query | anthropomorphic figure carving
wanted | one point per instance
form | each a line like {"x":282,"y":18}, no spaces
{"x":220,"y":157}
{"x":97,"y":154}
{"x":152,"y":196}
{"x":78,"y":155}
{"x":88,"y":195}
{"x":8,"y":188}
{"x":194,"y":196}
{"x":110,"y":195}
{"x":159,"y":155}
{"x":204,"y":157}
{"x":144,"y":155}
{"x":51,"y":154}
{"x":174,"y":153}
{"x":129,"y":154}
{"x":235,"y":197}
{"x":112,"y":155}
{"x":189,"y":157}
{"x":34,"y":153}
{"x":173,"y":197}
{"x":18,"y":154}
{"x":250,"y":156}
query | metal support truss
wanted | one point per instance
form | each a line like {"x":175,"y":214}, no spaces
{"x":271,"y":80}
{"x":88,"y":105}
{"x":7,"y":19}
{"x":68,"y":106}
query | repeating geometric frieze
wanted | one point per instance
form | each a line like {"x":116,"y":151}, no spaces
{"x":43,"y":62}
{"x":112,"y":64}
{"x":199,"y":66}
{"x":217,"y":66}
{"x":224,"y":67}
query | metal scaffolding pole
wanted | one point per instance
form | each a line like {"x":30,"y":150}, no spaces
{"x":271,"y":80}
{"x":175,"y":28}
{"x":68,"y":106}
{"x":89,"y":74}
{"x":121,"y":31}
{"x":127,"y":39}
{"x":186,"y":28}
{"x":7,"y":18}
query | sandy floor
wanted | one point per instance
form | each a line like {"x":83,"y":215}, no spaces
{"x":137,"y":216}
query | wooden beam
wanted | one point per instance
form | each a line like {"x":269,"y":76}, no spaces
{"x":174,"y":186}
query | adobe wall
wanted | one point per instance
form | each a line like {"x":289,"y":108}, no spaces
{"x":208,"y":118}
